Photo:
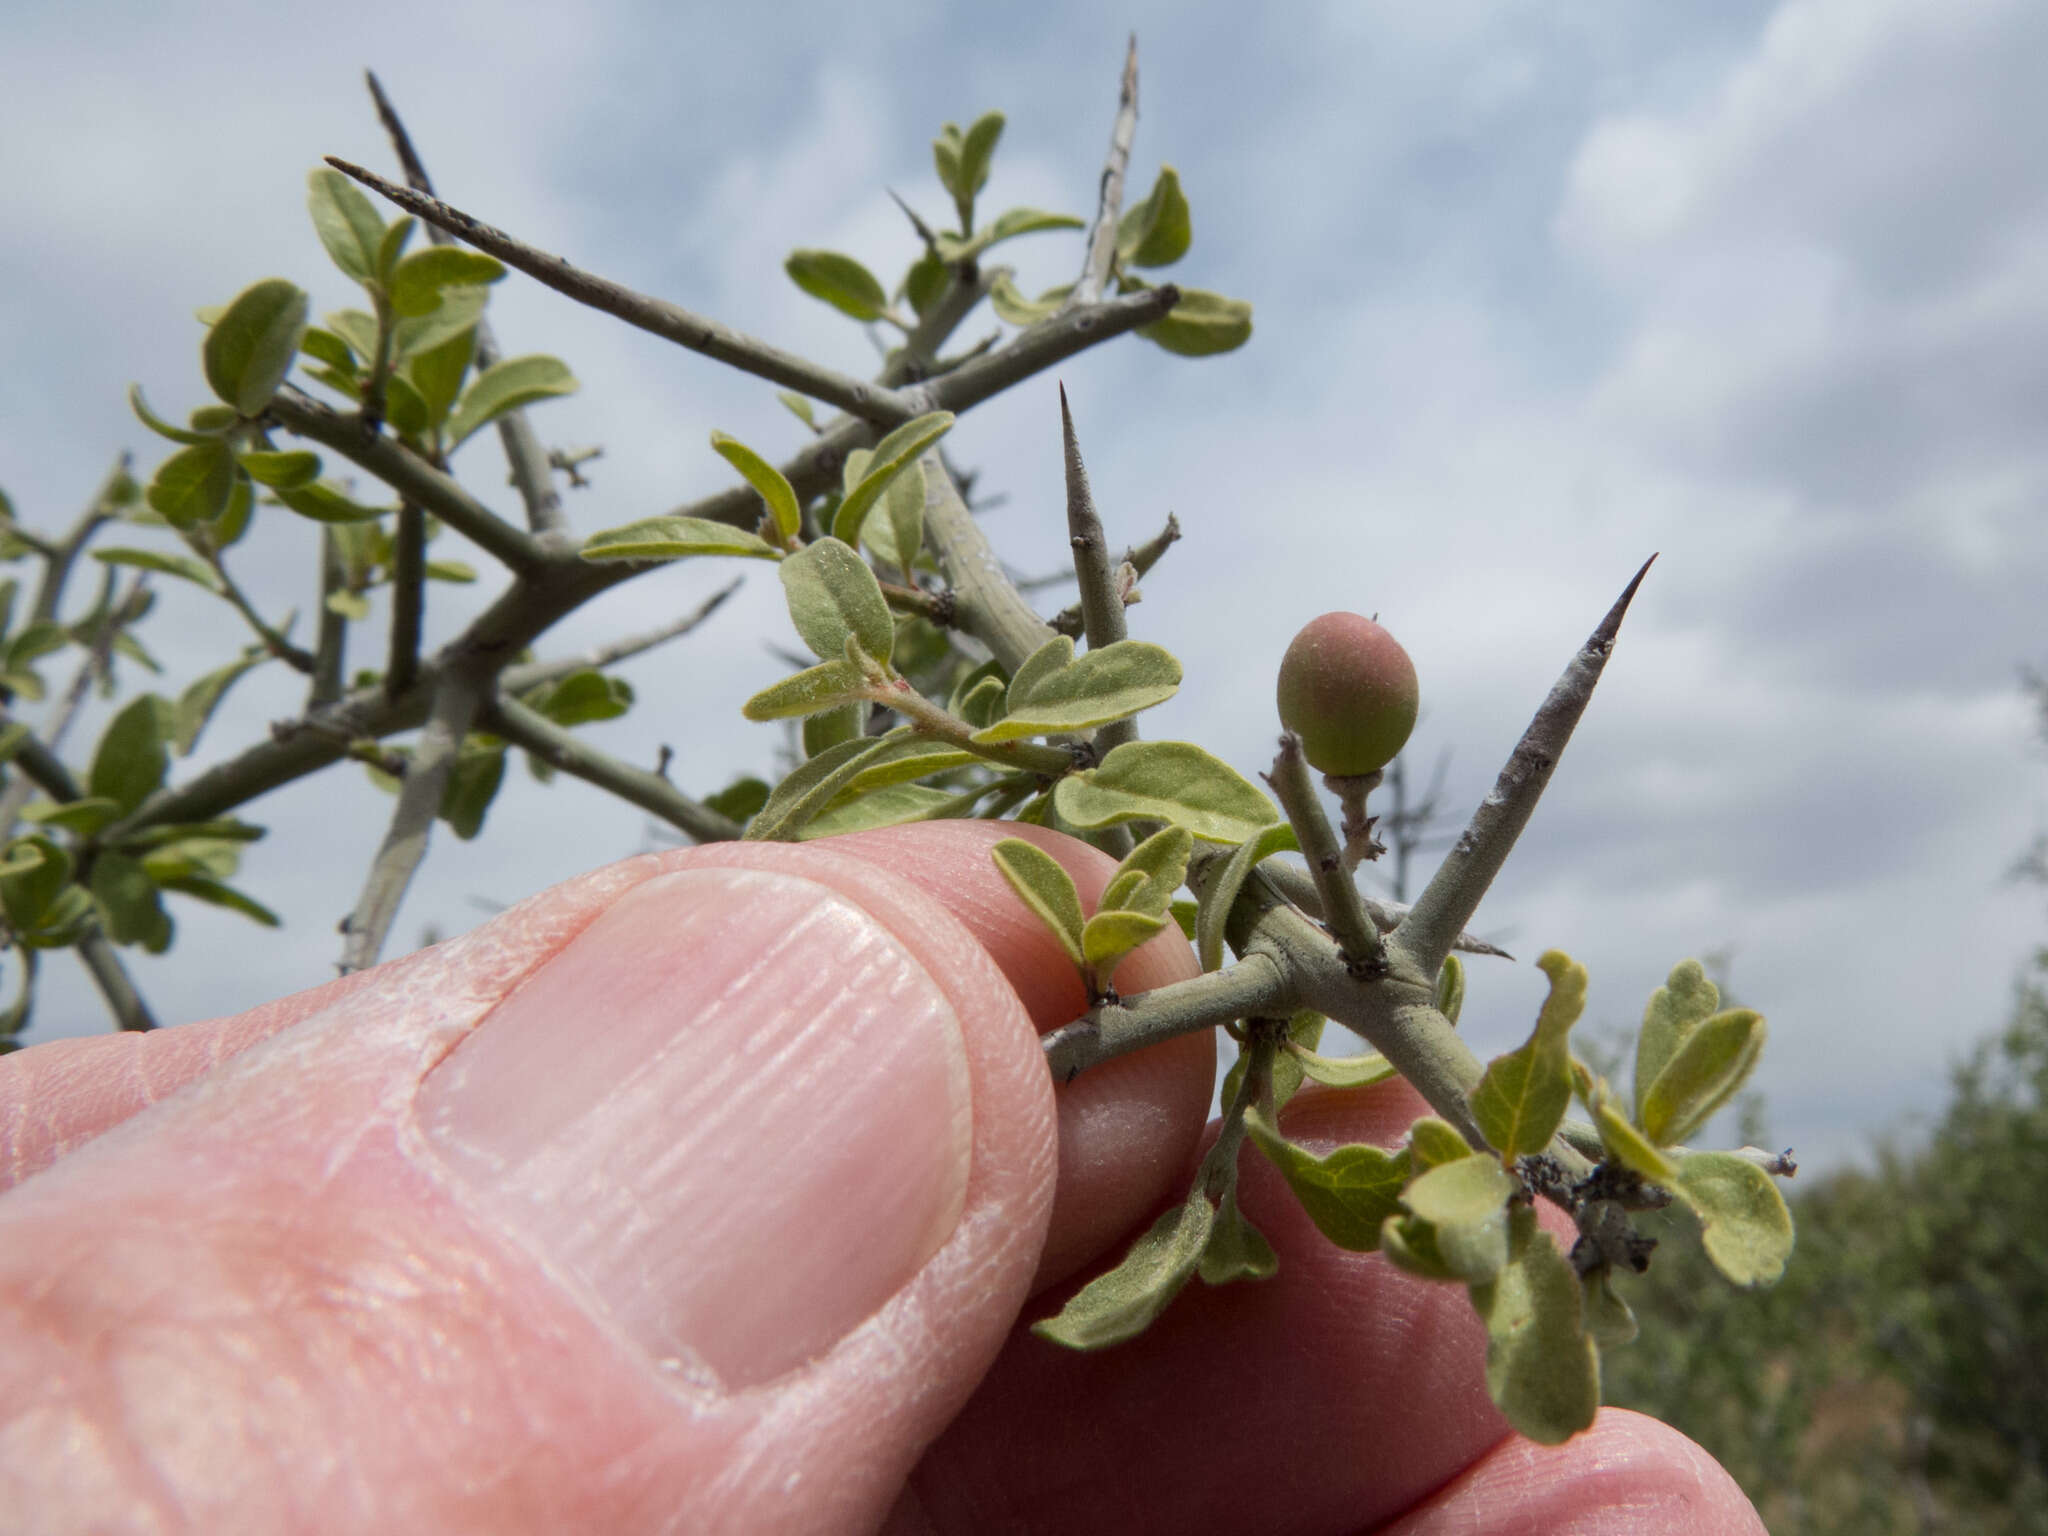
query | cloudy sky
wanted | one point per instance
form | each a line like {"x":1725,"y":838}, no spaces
{"x":1761,"y":287}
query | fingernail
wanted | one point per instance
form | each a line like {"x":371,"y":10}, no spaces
{"x":735,"y":1111}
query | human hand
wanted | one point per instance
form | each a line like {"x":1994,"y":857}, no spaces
{"x":704,"y":1193}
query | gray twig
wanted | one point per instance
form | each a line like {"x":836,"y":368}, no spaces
{"x":1139,"y":557}
{"x":330,"y":645}
{"x":669,"y":321}
{"x":1102,"y":606}
{"x":1453,"y":894}
{"x":985,"y":603}
{"x":1110,"y":201}
{"x":103,"y":963}
{"x":516,"y":680}
{"x":458,"y":694}
{"x":1343,"y":909}
{"x":60,"y":558}
{"x":408,"y":590}
{"x":567,"y":751}
{"x":524,"y":455}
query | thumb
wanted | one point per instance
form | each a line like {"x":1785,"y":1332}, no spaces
{"x":707,"y":1185}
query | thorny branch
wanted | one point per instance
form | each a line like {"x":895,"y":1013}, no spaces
{"x":1109,"y":205}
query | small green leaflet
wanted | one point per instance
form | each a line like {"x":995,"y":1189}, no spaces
{"x":1685,"y":1001}
{"x":1541,"y":1368}
{"x":1055,"y":692}
{"x":1221,"y":892}
{"x":1047,"y":889}
{"x":832,"y":596}
{"x":250,"y":348}
{"x":1702,"y":1075}
{"x":767,"y":481}
{"x":840,"y":281}
{"x":676,"y":538}
{"x":1744,"y":1225}
{"x":1521,"y":1100}
{"x":1121,"y":1304}
{"x":1171,"y":781}
{"x":1349,"y":1193}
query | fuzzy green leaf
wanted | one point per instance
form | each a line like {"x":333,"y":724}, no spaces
{"x":1744,"y":1225}
{"x":675,"y":538}
{"x":977,"y":149}
{"x":250,"y":348}
{"x":840,"y":281}
{"x":1348,"y":1193}
{"x":829,"y":727}
{"x":888,"y":807}
{"x":326,"y":347}
{"x":1450,"y":989}
{"x":1054,"y":691}
{"x":1121,"y":1304}
{"x":813,"y":785}
{"x":193,"y":485}
{"x":833,"y":595}
{"x":1465,"y":1200}
{"x":1236,"y":1249}
{"x":1435,"y":1142}
{"x":1702,"y":1075}
{"x":1151,"y":872}
{"x":418,"y":280}
{"x":185,"y":567}
{"x":437,"y":373}
{"x":1221,"y":892}
{"x":1171,"y":781}
{"x":740,"y":800}
{"x":1410,"y":1244}
{"x":908,"y":758}
{"x":1047,"y":889}
{"x":581,"y":697}
{"x":325,"y":503}
{"x":1685,"y":1001}
{"x":1521,"y":1100}
{"x":798,"y":407}
{"x":1011,"y":306}
{"x":1360,"y":1071}
{"x":285,"y":471}
{"x":346,"y":221}
{"x":130,"y":761}
{"x":1007,"y":225}
{"x":828,"y":685}
{"x":767,"y":481}
{"x":459,"y":311}
{"x":129,"y":903}
{"x":507,"y":386}
{"x":162,"y":428}
{"x":219,"y":894}
{"x":1627,"y":1145}
{"x":1202,"y":324}
{"x":1608,"y":1318}
{"x":36,"y":871}
{"x":396,"y":238}
{"x":1541,"y":1369}
{"x":1157,"y":232}
{"x":1108,"y":936}
{"x":891,"y":456}
{"x":85,"y":816}
{"x":903,"y":519}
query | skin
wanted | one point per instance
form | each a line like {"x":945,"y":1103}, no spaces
{"x":260,"y":1273}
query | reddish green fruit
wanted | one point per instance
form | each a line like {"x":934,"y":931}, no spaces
{"x":1348,"y":690}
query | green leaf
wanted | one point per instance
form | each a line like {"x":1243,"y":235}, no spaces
{"x":1159,"y":230}
{"x":403,"y":407}
{"x":1521,"y":1100}
{"x":1608,"y":1318}
{"x":829,"y":727}
{"x":417,"y":282}
{"x":1465,"y":1200}
{"x":1541,"y":1369}
{"x":1410,"y":1244}
{"x":1171,"y":781}
{"x":193,"y":485}
{"x":129,"y":903}
{"x":832,"y":595}
{"x":1744,"y":1225}
{"x":13,"y":737}
{"x":1236,"y":1249}
{"x":1121,"y":1304}
{"x":346,"y":221}
{"x":840,"y":281}
{"x":357,"y":330}
{"x":1007,"y":225}
{"x":325,"y":503}
{"x":1348,"y":1194}
{"x":216,"y":893}
{"x":217,"y":833}
{"x":472,"y":785}
{"x":282,"y":471}
{"x":908,"y":757}
{"x":459,"y":311}
{"x":1202,"y":324}
{"x":85,"y":816}
{"x":977,"y":149}
{"x":1220,"y":895}
{"x":1054,"y":691}
{"x":35,"y":872}
{"x":1183,"y":912}
{"x":329,"y":348}
{"x":924,"y":282}
{"x":1360,"y":1071}
{"x":162,"y":428}
{"x":1685,"y":1001}
{"x":799,"y":407}
{"x":1151,"y":872}
{"x":812,"y":786}
{"x":903,"y":503}
{"x":1627,"y":1145}
{"x":130,"y":762}
{"x":1108,"y":936}
{"x":437,"y":373}
{"x":675,"y":538}
{"x":891,"y":456}
{"x":741,"y":799}
{"x":459,"y":572}
{"x":828,"y":685}
{"x":396,"y":238}
{"x":1702,"y":1075}
{"x":250,"y":348}
{"x":766,"y":479}
{"x":982,"y":704}
{"x":185,"y":567}
{"x":1436,"y":1142}
{"x":888,"y":807}
{"x":507,"y":386}
{"x":580,"y":698}
{"x":1047,"y":889}
{"x":197,"y":703}
{"x":1010,"y":305}
{"x":1450,"y":989}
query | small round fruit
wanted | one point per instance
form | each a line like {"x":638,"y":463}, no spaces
{"x":1348,"y":690}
